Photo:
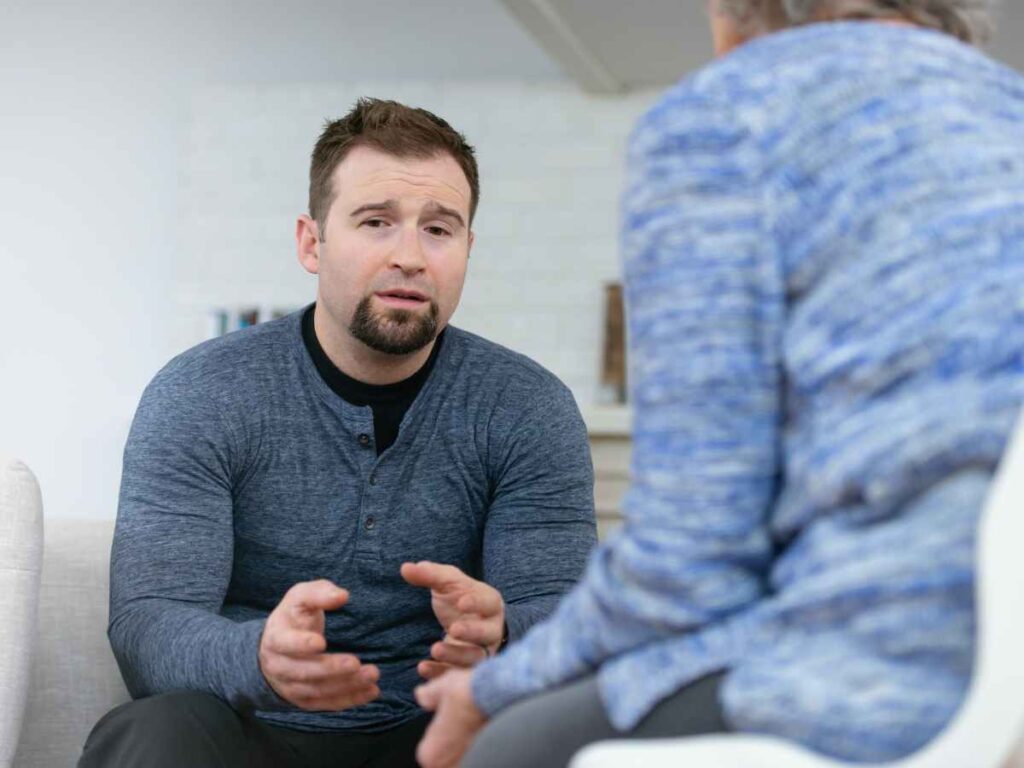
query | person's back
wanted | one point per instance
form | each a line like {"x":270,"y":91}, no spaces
{"x":890,"y":160}
{"x":893,"y":159}
{"x":824,"y":248}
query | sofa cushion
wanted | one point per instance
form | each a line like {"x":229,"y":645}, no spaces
{"x":21,"y":545}
{"x":75,"y":679}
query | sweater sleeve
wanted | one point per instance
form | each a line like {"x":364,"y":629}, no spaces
{"x":172,"y":553}
{"x":703,"y":298}
{"x":540,"y":524}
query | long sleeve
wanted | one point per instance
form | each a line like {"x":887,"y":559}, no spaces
{"x":703,"y":300}
{"x":172,"y":553}
{"x":540,"y":522}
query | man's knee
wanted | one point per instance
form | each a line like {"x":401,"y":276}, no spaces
{"x":161,"y":730}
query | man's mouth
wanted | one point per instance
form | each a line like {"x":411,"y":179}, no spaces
{"x":402,"y":299}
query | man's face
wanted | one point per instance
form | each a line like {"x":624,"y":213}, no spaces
{"x":395,"y":242}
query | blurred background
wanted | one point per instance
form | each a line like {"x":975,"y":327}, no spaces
{"x":154,"y":159}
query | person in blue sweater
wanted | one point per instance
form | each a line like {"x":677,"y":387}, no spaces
{"x":823,"y":234}
{"x":320,"y":511}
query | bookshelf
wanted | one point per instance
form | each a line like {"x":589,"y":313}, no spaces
{"x":222,"y":320}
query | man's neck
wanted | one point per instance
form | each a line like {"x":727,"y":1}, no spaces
{"x":358,"y":361}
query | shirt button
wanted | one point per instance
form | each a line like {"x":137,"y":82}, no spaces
{"x":373,"y":478}
{"x":364,"y":439}
{"x":370,"y":523}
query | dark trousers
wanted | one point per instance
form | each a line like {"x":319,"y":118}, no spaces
{"x":548,"y":729}
{"x":185,"y":728}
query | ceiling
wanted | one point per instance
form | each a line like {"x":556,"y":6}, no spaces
{"x":122,"y":46}
{"x":611,"y":46}
{"x":52,"y":46}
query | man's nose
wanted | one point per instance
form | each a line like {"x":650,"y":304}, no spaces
{"x":408,"y":252}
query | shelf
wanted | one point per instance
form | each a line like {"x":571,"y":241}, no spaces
{"x":609,"y":420}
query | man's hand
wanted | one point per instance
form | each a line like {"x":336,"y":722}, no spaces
{"x":292,"y":656}
{"x":455,"y":723}
{"x":471,"y":613}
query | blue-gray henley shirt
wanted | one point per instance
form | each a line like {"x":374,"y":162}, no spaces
{"x":245,"y":474}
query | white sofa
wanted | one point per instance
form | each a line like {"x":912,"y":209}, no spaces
{"x":57,"y":673}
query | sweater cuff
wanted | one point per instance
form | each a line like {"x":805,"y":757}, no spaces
{"x":256,"y":693}
{"x":489,"y":694}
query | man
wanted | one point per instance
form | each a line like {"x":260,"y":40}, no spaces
{"x":318,"y":512}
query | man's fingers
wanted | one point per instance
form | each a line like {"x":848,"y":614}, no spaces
{"x":296,"y":642}
{"x":435,"y":576}
{"x":316,"y":699}
{"x":313,"y":669}
{"x":351,"y":690}
{"x":312,"y":596}
{"x":428,"y":695}
{"x":485,"y":602}
{"x":311,"y":691}
{"x":430,"y":669}
{"x":483,"y":633}
{"x":455,"y":721}
{"x":458,"y":654}
{"x":366,"y":676}
{"x":434,"y":751}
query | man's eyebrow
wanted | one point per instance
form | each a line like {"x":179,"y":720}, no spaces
{"x":437,"y":209}
{"x":387,"y":206}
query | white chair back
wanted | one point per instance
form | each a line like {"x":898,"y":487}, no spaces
{"x":992,"y":717}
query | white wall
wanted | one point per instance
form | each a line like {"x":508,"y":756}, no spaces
{"x":87,"y":181}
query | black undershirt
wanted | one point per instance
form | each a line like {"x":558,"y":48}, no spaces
{"x":388,"y":401}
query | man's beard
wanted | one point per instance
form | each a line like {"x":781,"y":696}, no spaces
{"x":394,"y":331}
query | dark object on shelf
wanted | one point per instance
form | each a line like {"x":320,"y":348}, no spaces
{"x":613,"y":362}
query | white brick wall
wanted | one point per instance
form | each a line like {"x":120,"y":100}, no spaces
{"x":551,"y":173}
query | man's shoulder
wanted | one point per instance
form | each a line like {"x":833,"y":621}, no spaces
{"x":518,"y":404}
{"x":493,"y":365}
{"x":226,"y":363}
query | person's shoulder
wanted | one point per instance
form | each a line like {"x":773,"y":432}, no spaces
{"x":490,"y":365}
{"x":790,"y":81}
{"x":829,"y":55}
{"x":223,"y":365}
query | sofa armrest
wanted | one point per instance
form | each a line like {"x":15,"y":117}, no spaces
{"x":21,"y":546}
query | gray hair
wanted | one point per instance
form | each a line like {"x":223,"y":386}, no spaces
{"x":968,"y":20}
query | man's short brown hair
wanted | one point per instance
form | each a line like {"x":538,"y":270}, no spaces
{"x":392,"y":128}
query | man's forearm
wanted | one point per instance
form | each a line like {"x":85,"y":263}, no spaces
{"x":162,"y":646}
{"x":519,"y":617}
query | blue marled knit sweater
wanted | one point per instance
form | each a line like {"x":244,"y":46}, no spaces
{"x":824,"y":239}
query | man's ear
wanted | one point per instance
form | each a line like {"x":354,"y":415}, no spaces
{"x":307,"y":243}
{"x":472,"y":238}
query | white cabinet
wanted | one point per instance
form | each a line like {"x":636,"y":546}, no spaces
{"x":610,"y":449}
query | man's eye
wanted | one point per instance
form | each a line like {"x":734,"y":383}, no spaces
{"x":375,"y":223}
{"x":438,"y":231}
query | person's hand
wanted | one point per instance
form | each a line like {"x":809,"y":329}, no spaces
{"x":471,"y":613}
{"x":293,"y":659}
{"x":455,"y":723}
